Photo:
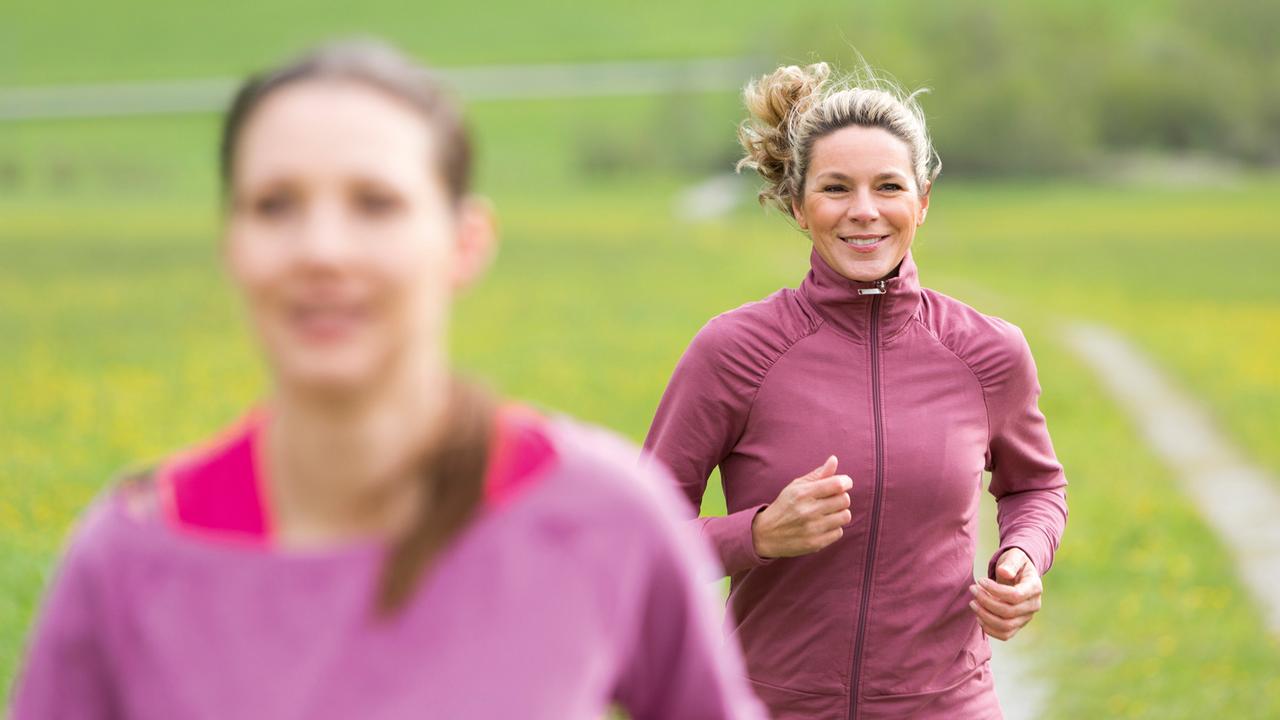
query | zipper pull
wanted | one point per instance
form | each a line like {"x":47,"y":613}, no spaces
{"x":879,"y":289}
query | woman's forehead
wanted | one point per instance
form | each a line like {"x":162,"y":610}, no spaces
{"x":858,"y":150}
{"x":334,"y":125}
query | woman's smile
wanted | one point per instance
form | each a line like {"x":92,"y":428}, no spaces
{"x":863,"y":242}
{"x":326,"y":322}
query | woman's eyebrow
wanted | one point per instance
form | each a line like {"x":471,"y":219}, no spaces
{"x":890,"y":174}
{"x":832,"y":175}
{"x":837,"y":175}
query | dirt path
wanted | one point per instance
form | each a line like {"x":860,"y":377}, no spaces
{"x":1022,"y":690}
{"x":1239,"y":500}
{"x":1023,"y":695}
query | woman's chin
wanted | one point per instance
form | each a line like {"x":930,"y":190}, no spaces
{"x":866,"y":271}
{"x":333,"y":377}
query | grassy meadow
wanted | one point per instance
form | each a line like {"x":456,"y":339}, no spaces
{"x":122,"y":341}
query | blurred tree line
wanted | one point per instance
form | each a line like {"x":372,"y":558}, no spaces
{"x":1054,"y":87}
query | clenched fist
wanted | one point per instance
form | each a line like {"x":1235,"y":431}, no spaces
{"x":809,"y":514}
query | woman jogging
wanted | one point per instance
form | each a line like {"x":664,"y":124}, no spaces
{"x":377,"y":539}
{"x":851,"y":420}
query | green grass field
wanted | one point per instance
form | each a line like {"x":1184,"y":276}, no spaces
{"x":122,"y":340}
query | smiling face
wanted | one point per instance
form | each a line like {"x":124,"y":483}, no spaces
{"x":342,"y":237}
{"x":861,"y":205}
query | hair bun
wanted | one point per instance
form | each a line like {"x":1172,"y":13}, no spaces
{"x":774,"y":98}
{"x":774,"y":102}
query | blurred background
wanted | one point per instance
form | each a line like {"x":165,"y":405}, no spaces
{"x":1116,"y":164}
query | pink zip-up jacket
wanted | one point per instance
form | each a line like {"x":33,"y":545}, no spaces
{"x":916,"y":394}
{"x":574,"y":586}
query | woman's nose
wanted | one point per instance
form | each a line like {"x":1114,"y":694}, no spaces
{"x":323,"y":236}
{"x":862,"y":207}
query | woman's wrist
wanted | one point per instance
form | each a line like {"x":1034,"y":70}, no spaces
{"x":758,"y":540}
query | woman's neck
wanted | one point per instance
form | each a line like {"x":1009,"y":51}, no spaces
{"x":350,"y":467}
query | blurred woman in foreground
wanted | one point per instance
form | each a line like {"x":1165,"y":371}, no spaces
{"x":378,"y":539}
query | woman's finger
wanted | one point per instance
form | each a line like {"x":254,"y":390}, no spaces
{"x":826,"y":523}
{"x":1012,"y":594}
{"x":990,"y":622}
{"x":1003,"y":609}
{"x":826,"y":487}
{"x":995,"y":633}
{"x":994,"y":625}
{"x":832,"y":504}
{"x":1006,"y":623}
{"x":819,"y":542}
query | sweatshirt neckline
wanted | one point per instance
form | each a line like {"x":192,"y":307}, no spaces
{"x":841,"y":304}
{"x":216,"y":496}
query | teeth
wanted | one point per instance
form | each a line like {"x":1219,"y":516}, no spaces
{"x":860,"y":242}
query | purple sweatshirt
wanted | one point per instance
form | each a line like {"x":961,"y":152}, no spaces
{"x":916,"y":394}
{"x":573,"y":588}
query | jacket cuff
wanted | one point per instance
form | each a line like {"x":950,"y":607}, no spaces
{"x":1037,"y":549}
{"x":731,"y":536}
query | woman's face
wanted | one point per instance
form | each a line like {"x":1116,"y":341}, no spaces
{"x":861,"y":205}
{"x":342,"y":237}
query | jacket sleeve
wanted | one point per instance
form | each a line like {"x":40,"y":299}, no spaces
{"x":1026,"y":477}
{"x":700,"y":418}
{"x":677,"y":663}
{"x":65,"y":673}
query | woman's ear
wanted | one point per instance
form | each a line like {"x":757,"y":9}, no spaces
{"x":924,"y":204}
{"x":797,"y":212}
{"x":477,"y":241}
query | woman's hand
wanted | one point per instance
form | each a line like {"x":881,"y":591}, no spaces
{"x":1007,"y":603}
{"x":809,"y":514}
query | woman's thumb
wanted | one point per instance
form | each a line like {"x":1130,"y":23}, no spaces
{"x":826,"y":469}
{"x":1007,"y":570}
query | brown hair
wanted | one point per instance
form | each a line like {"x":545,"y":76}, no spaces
{"x":367,"y":62}
{"x":454,"y":486}
{"x":453,"y":473}
{"x":793,"y":107}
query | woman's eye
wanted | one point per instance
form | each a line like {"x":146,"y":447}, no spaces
{"x":833,"y":188}
{"x":275,"y":205}
{"x":377,"y":203}
{"x":891,"y":187}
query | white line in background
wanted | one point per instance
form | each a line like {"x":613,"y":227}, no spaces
{"x":710,"y":199}
{"x":1240,"y":501}
{"x":477,"y":83}
{"x":1023,"y":694}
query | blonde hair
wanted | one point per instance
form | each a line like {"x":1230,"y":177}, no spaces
{"x":793,"y":107}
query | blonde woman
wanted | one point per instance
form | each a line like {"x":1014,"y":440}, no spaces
{"x":851,"y":419}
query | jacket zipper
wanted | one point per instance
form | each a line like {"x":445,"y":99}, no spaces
{"x":856,"y":672}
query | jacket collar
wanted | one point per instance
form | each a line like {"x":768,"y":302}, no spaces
{"x":847,"y":304}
